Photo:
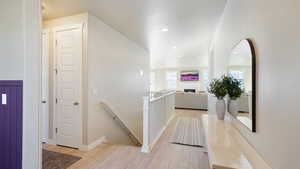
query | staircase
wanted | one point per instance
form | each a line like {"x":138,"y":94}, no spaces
{"x":129,"y":133}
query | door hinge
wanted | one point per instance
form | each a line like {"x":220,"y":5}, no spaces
{"x":56,"y":71}
{"x":56,"y":100}
{"x":56,"y":42}
{"x":56,"y":130}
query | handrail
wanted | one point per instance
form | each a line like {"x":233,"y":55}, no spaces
{"x":163,"y":95}
{"x":130,"y":134}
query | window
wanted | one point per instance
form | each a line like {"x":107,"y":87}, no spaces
{"x":171,"y":78}
{"x":205,"y":79}
{"x":238,"y":75}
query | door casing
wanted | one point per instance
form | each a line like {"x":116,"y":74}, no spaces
{"x":45,"y":86}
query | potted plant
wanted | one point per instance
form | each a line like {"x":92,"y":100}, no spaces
{"x":217,"y":88}
{"x":234,"y":90}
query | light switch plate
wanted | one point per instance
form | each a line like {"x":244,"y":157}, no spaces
{"x":4,"y":99}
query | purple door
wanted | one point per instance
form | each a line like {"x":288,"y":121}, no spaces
{"x":11,"y":124}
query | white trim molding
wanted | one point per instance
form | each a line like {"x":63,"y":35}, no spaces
{"x":146,"y":145}
{"x":51,"y":142}
{"x":68,"y":27}
{"x":161,"y":132}
{"x":45,"y":85}
{"x":153,"y":107}
{"x":32,"y":34}
{"x":94,"y":144}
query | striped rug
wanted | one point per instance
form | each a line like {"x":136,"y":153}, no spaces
{"x":188,"y":131}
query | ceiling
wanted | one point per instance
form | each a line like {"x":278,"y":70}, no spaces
{"x":177,"y":33}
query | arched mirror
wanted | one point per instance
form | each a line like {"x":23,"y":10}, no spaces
{"x":242,"y":67}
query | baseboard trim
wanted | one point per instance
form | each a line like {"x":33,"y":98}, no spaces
{"x":93,"y":145}
{"x":171,"y":118}
{"x":51,"y":142}
{"x":146,"y":149}
{"x":190,"y":109}
{"x":161,"y":133}
{"x":157,"y":138}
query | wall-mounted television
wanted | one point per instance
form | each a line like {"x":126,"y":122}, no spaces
{"x":189,"y":76}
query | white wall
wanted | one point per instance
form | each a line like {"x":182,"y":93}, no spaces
{"x":111,"y":72}
{"x":20,"y":58}
{"x":114,"y":64}
{"x":160,"y":82}
{"x":11,"y":42}
{"x":273,"y":26}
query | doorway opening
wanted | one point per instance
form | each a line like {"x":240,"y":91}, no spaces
{"x":61,"y":91}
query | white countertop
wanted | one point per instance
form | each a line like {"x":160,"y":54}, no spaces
{"x":227,"y":148}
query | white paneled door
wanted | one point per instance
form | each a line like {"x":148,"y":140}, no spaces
{"x":68,"y":49}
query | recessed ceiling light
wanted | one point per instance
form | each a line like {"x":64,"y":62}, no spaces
{"x":165,"y":30}
{"x":174,"y":47}
{"x":179,"y":57}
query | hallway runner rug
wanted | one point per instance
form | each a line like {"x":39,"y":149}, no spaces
{"x":188,"y":131}
{"x":55,"y":160}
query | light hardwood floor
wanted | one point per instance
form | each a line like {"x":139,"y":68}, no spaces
{"x":163,"y":156}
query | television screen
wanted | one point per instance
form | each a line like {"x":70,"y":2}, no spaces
{"x":189,"y":76}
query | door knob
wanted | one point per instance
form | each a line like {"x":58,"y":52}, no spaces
{"x":44,"y":101}
{"x":76,"y":104}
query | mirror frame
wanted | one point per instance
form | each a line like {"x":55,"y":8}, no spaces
{"x":253,"y":53}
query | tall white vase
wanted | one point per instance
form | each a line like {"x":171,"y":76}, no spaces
{"x":233,"y":107}
{"x":220,"y":109}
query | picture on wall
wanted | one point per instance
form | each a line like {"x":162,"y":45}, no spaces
{"x":189,"y":76}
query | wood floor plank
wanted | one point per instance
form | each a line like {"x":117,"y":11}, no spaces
{"x":163,"y":156}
